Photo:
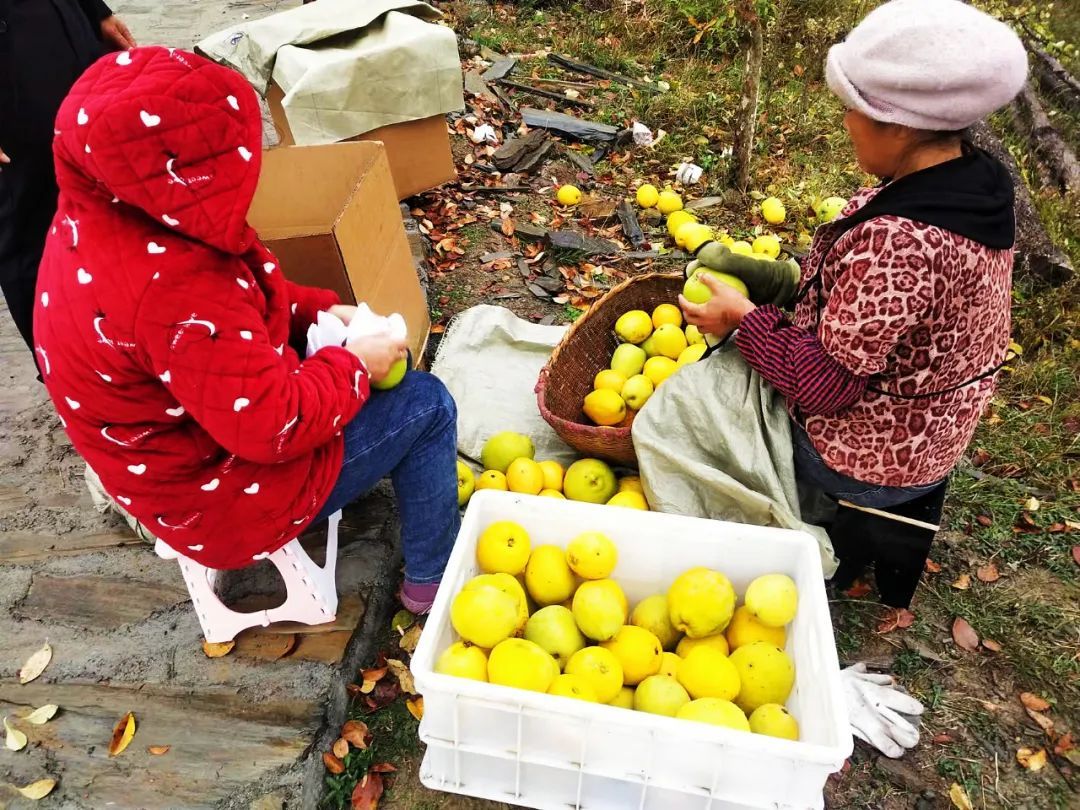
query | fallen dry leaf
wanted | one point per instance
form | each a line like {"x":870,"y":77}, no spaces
{"x":1032,"y":504}
{"x":42,"y":715}
{"x":404,"y":676}
{"x":370,"y":677}
{"x":402,"y":620}
{"x":963,"y":582}
{"x":858,"y":590}
{"x":944,"y":738}
{"x":959,"y":797}
{"x":355,"y":733}
{"x":35,"y":664}
{"x":367,"y":793}
{"x":416,"y":708}
{"x":1041,"y":720}
{"x":332,"y":763}
{"x":896,"y":618}
{"x":988,"y":572}
{"x":383,"y":767}
{"x":158,"y":750}
{"x":1076,"y":554}
{"x":14,"y":740}
{"x":122,"y":734}
{"x":38,"y":790}
{"x":341,"y":748}
{"x":1034,"y":761}
{"x":216,"y":649}
{"x":964,"y":634}
{"x":932,"y":567}
{"x":1064,"y":744}
{"x":991,"y":645}
{"x":411,"y":639}
{"x":1034,"y":702}
{"x":984,"y":520}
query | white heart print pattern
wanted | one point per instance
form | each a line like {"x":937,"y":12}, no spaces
{"x":83,"y":276}
{"x":172,"y":223}
{"x":45,"y":299}
{"x":149,"y":120}
{"x":245,"y":334}
{"x":136,"y":469}
{"x":165,"y":376}
{"x":262,"y":555}
{"x":210,"y":485}
{"x":240,"y":403}
{"x":123,"y":500}
{"x":154,"y":249}
{"x":82,"y":118}
{"x":198,"y":547}
{"x":107,"y":378}
{"x":243,"y":284}
{"x":233,"y":102}
{"x":44,"y":360}
{"x":123,"y":58}
{"x":252,"y":490}
{"x":245,"y":153}
{"x":176,"y":412}
{"x":72,"y":403}
{"x":268,"y":267}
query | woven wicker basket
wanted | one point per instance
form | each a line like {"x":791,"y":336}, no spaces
{"x":585,"y":350}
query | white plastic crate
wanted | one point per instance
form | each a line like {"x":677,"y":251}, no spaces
{"x":541,"y":751}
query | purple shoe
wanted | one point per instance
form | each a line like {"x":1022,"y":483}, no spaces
{"x":418,"y":598}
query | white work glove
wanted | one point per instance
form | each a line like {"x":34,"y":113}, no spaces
{"x":688,"y":173}
{"x":875,"y":710}
{"x":328,"y":330}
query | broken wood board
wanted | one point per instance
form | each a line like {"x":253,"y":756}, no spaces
{"x":568,"y":125}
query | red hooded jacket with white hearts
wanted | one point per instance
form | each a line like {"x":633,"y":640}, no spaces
{"x":162,"y":325}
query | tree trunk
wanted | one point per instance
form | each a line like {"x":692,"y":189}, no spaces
{"x":1059,"y":85}
{"x":1046,"y":142}
{"x":746,"y":115}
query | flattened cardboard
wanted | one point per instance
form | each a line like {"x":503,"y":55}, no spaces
{"x":330,"y":215}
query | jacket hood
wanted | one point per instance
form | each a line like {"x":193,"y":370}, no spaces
{"x":168,"y":133}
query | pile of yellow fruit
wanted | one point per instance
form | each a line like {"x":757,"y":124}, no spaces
{"x":552,"y":620}
{"x":653,"y":348}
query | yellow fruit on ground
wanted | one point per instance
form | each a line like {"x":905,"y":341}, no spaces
{"x":638,"y":652}
{"x":609,"y":380}
{"x":629,"y":500}
{"x":701,"y":602}
{"x":553,"y":474}
{"x":772,"y":599}
{"x":522,"y":664}
{"x":693,"y":335}
{"x":555,"y":630}
{"x":525,"y":476}
{"x":715,"y":711}
{"x":508,"y":584}
{"x":666,"y":313}
{"x":484,"y":616}
{"x":502,"y":448}
{"x":669,"y":202}
{"x":589,"y":480}
{"x":768,"y":245}
{"x":492,"y":479}
{"x":669,"y":665}
{"x":717,"y":642}
{"x":568,"y":195}
{"x":741,"y":247}
{"x":773,"y":210}
{"x":463,"y":661}
{"x":592,"y":555}
{"x":634,"y":326}
{"x":691,"y":354}
{"x":628,"y":360}
{"x":830,"y":208}
{"x":745,"y":629}
{"x":604,"y":407}
{"x":651,"y":613}
{"x":637,"y":391}
{"x":548,"y":578}
{"x":601,"y":669}
{"x":577,"y":687}
{"x":625,"y":698}
{"x":658,"y":694}
{"x":677,"y":219}
{"x":774,"y":720}
{"x":599,"y":609}
{"x":552,"y":493}
{"x":466,"y":483}
{"x":670,"y":341}
{"x":766,"y":674}
{"x":660,"y":368}
{"x":706,"y":672}
{"x":631,"y":483}
{"x":503,"y":547}
{"x":647,"y":195}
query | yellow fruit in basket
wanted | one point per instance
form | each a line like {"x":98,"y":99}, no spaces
{"x":706,"y":672}
{"x":609,"y":380}
{"x":669,"y":665}
{"x":552,"y":493}
{"x":599,"y":609}
{"x":592,"y":555}
{"x":502,"y":448}
{"x":773,"y":210}
{"x":573,"y":686}
{"x":651,"y":613}
{"x":716,"y":712}
{"x":774,"y":720}
{"x":484,"y":615}
{"x":669,"y":341}
{"x":548,"y":578}
{"x":503,"y":547}
{"x":466,"y":483}
{"x":766,"y":673}
{"x":693,"y":335}
{"x":554,"y":629}
{"x":691,"y":354}
{"x":772,"y":599}
{"x":589,"y":480}
{"x":741,"y":247}
{"x":637,"y":391}
{"x":604,"y":407}
{"x":669,"y":202}
{"x":568,"y":195}
{"x":666,"y":313}
{"x":767,"y":244}
{"x":463,"y":661}
{"x":492,"y":479}
{"x":647,"y":195}
{"x":509,"y":585}
{"x":659,"y":369}
{"x":629,"y":500}
{"x":638,"y":652}
{"x":628,"y":360}
{"x":522,"y":664}
{"x":717,"y":642}
{"x":701,"y":602}
{"x":631,"y":483}
{"x":600,"y":668}
{"x":658,"y":694}
{"x":525,"y":476}
{"x":677,"y":219}
{"x":634,"y":326}
{"x":649,"y":346}
{"x":553,"y":475}
{"x":745,"y":629}
{"x":625,"y":698}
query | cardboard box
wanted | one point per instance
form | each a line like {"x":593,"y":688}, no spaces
{"x":418,"y":151}
{"x":330,"y":215}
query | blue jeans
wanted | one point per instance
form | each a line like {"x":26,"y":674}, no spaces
{"x":410,"y":434}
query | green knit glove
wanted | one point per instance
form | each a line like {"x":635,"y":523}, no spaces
{"x":769,"y":281}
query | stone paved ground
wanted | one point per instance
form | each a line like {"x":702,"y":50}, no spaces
{"x":246,"y":730}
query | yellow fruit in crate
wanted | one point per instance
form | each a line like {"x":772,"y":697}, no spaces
{"x":484,"y":615}
{"x":577,"y":687}
{"x":659,"y":369}
{"x":701,"y":602}
{"x":637,"y":391}
{"x":521,"y":664}
{"x":647,"y":195}
{"x":677,"y":219}
{"x":525,"y":476}
{"x":628,"y":360}
{"x":634,"y":326}
{"x":552,"y":493}
{"x":670,"y":341}
{"x":554,"y":629}
{"x":716,"y":712}
{"x":665,"y":314}
{"x":706,"y":672}
{"x":631,"y":483}
{"x":658,"y":694}
{"x":601,"y":669}
{"x":568,"y":195}
{"x":463,"y":661}
{"x":774,"y":720}
{"x":772,"y":599}
{"x":741,"y":247}
{"x":466,"y":483}
{"x":629,"y":500}
{"x":502,"y":448}
{"x":773,"y":210}
{"x":599,"y":609}
{"x":625,"y":698}
{"x":766,"y":673}
{"x":651,"y":613}
{"x":745,"y":629}
{"x":553,"y":475}
{"x":509,"y":585}
{"x":669,"y":665}
{"x":592,"y":555}
{"x":548,"y":578}
{"x":638,"y":652}
{"x":693,"y":335}
{"x":503,"y":547}
{"x":589,"y":480}
{"x":691,"y":354}
{"x":604,"y":407}
{"x":669,"y":202}
{"x":717,"y":642}
{"x":768,"y":245}
{"x":609,"y":380}
{"x":492,"y":479}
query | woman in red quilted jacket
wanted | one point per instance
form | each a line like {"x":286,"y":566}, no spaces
{"x":165,"y":333}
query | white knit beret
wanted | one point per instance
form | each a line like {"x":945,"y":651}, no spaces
{"x":927,"y":64}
